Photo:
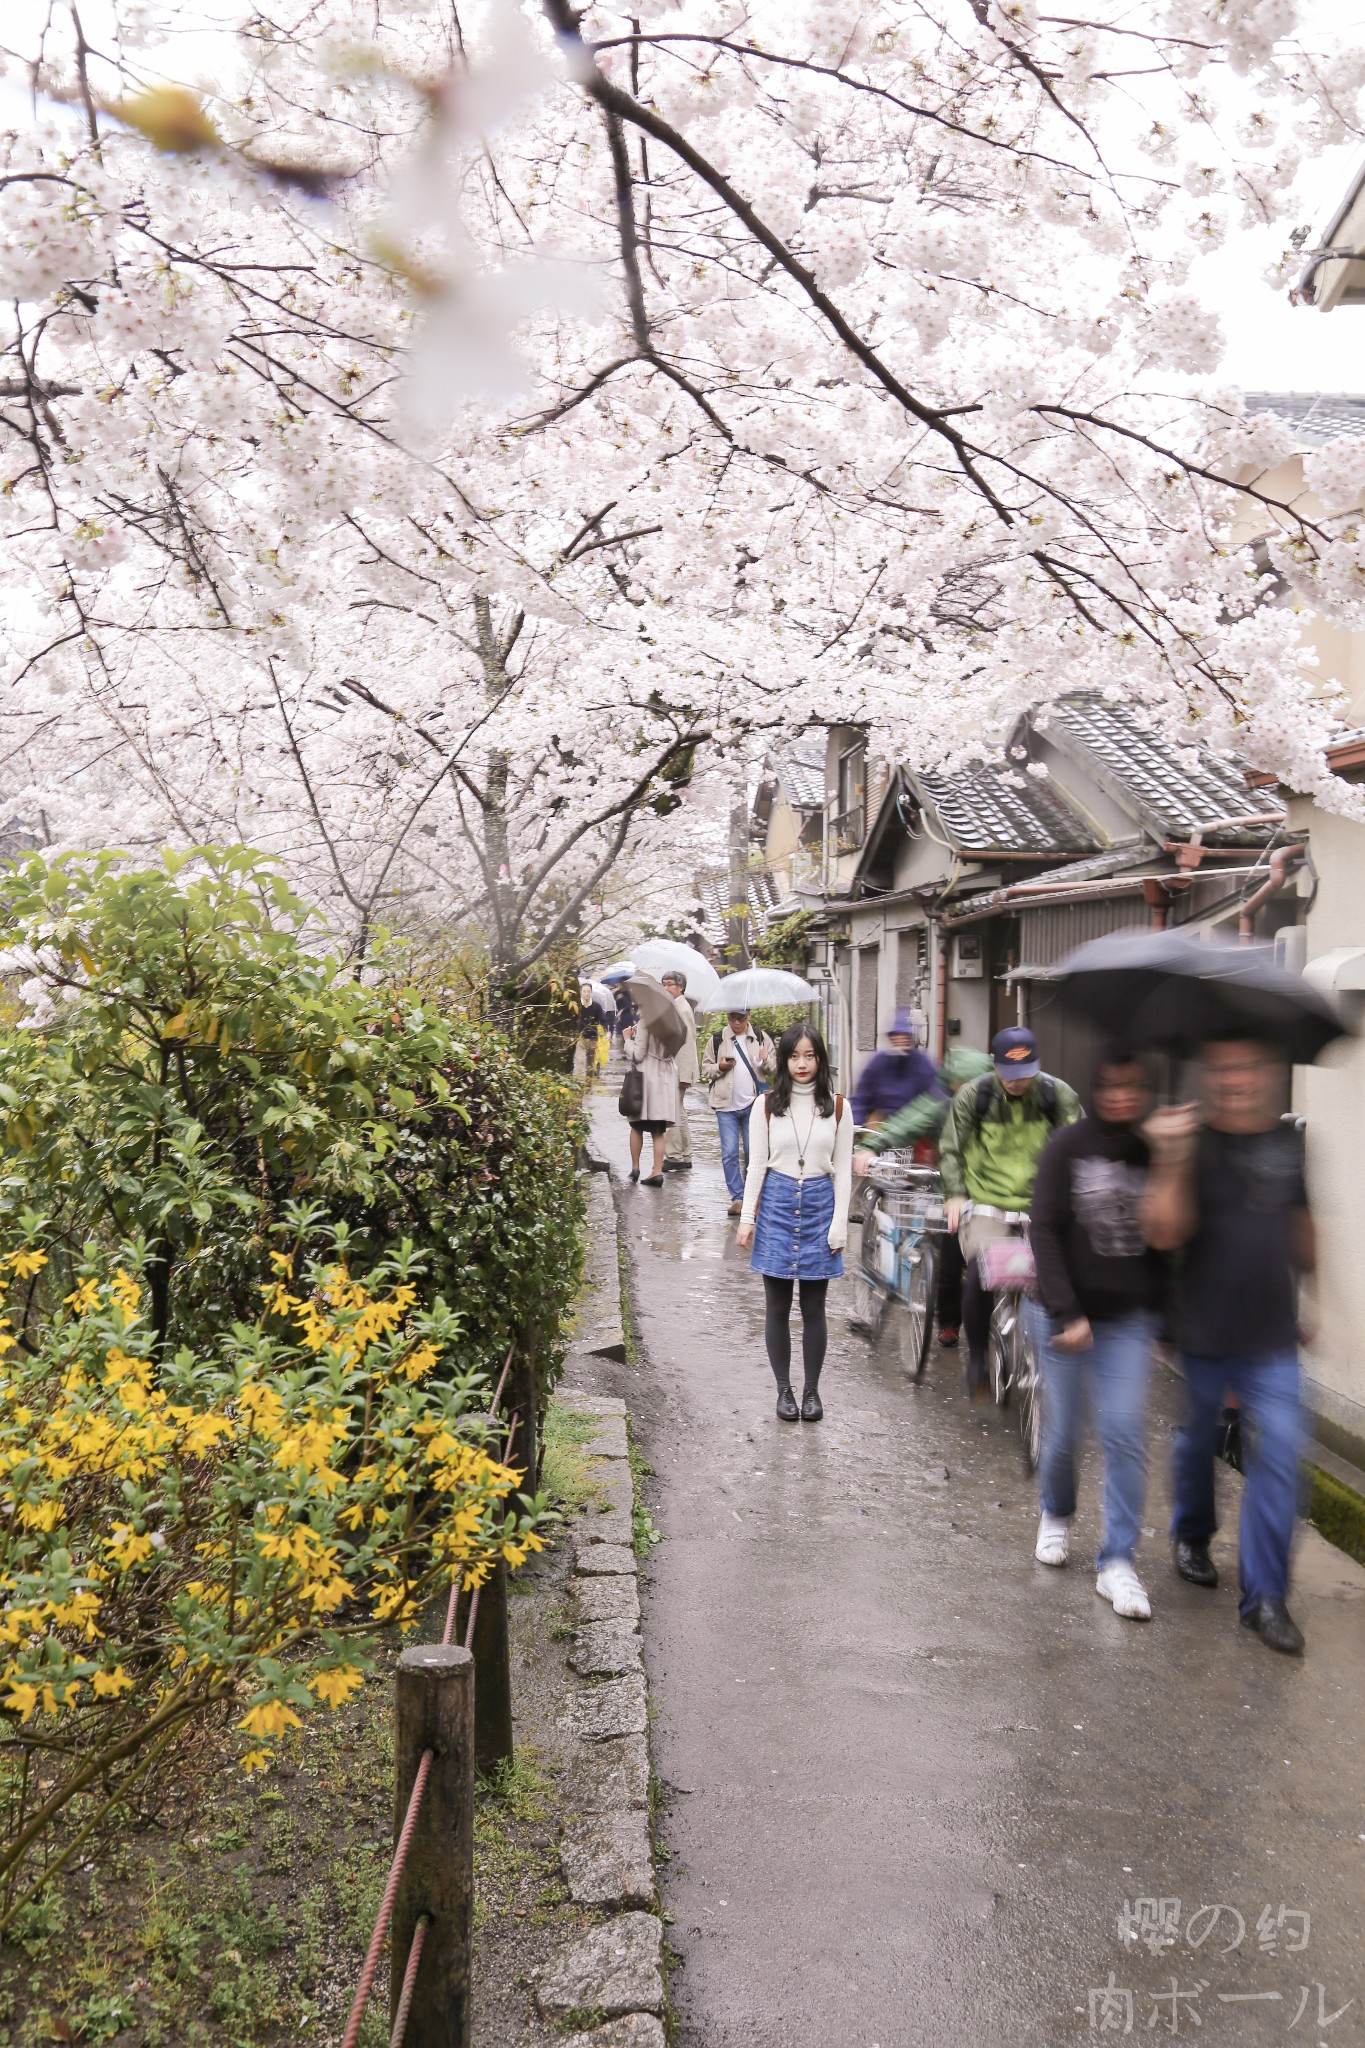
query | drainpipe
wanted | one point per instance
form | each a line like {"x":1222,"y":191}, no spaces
{"x":1279,"y":863}
{"x":1157,"y":897}
{"x":941,"y":999}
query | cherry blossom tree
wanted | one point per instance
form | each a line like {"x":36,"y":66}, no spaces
{"x":428,"y":447}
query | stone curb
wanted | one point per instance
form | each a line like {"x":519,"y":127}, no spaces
{"x":605,"y":1851}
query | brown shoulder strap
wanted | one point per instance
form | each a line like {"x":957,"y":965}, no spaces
{"x":838,"y":1110}
{"x":768,"y":1108}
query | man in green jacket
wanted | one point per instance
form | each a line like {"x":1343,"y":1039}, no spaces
{"x":922,"y":1119}
{"x":988,"y":1156}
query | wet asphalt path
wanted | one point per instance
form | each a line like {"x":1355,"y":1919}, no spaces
{"x":911,"y":1775}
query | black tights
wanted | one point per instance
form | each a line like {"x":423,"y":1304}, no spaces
{"x":778,"y":1332}
{"x":977,"y":1304}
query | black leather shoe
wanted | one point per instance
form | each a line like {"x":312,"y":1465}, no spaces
{"x":811,"y":1407}
{"x":787,"y":1409}
{"x":652,"y":1180}
{"x":1193,"y":1562}
{"x":634,"y":1173}
{"x":1276,"y":1627}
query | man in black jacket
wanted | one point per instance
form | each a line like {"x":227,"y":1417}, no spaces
{"x":1095,"y":1321}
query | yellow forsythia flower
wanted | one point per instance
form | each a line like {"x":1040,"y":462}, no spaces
{"x":257,"y":1760}
{"x":109,"y":1684}
{"x":22,"y":1700}
{"x":26,"y":1263}
{"x":126,"y":1547}
{"x":125,"y":1292}
{"x":271,"y":1717}
{"x":84,"y":1297}
{"x":336,"y":1686}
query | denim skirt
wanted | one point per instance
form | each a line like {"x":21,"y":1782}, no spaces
{"x":791,"y":1229}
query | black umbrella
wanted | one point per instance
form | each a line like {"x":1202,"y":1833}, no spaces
{"x":1170,"y":990}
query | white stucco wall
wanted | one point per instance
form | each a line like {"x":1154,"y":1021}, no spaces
{"x":1333,"y":1098}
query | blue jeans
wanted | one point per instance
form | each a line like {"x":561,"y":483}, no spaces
{"x":1268,"y":1390}
{"x":1116,"y":1370}
{"x":734,"y":1147}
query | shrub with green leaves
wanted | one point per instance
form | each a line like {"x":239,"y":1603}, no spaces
{"x":189,"y":1064}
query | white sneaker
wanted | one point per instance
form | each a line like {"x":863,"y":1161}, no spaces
{"x":1054,"y":1537}
{"x":1120,"y":1585}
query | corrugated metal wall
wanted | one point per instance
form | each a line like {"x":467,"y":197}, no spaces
{"x":1048,"y":934}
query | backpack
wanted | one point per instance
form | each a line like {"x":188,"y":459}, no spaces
{"x":985,"y":1095}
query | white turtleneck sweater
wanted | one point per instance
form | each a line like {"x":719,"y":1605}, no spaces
{"x":777,"y":1144}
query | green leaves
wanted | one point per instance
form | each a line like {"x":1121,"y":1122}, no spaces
{"x":207,"y":1072}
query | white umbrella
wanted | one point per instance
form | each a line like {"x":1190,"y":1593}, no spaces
{"x":603,"y":995}
{"x":756,"y":986}
{"x":671,"y":956}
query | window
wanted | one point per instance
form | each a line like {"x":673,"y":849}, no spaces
{"x":849,"y":818}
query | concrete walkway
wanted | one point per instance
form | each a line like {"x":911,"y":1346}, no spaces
{"x":912,"y":1778}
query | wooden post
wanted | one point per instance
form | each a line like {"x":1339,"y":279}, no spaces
{"x":520,"y":1400}
{"x":435,"y":1710}
{"x":492,"y":1670}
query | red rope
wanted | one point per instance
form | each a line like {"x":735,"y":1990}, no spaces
{"x":400,"y":2018}
{"x":381,"y":1925}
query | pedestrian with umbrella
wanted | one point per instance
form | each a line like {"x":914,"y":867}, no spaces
{"x":649,"y":1095}
{"x":737,"y":1059}
{"x":1227,"y":1191}
{"x":678,"y":1144}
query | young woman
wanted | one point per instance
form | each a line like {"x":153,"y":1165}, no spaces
{"x":795,"y":1213}
{"x":660,"y":1107}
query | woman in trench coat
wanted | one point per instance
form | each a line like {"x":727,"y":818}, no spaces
{"x":659,"y":1109}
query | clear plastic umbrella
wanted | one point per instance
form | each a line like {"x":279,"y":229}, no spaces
{"x":670,"y":956}
{"x":755,"y":986}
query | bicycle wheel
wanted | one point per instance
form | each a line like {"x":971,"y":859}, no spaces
{"x":917,"y":1324}
{"x":868,"y":1308}
{"x":999,"y":1349}
{"x":1028,"y":1379}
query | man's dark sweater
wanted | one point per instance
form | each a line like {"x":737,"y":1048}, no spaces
{"x":890,"y":1080}
{"x":1087,"y":1243}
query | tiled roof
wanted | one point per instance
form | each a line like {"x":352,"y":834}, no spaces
{"x":983,"y":811}
{"x":1170,"y":795}
{"x":714,"y":899}
{"x":803,"y":778}
{"x":1319,"y":416}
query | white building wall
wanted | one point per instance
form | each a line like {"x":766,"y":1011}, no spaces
{"x":1332,"y":1095}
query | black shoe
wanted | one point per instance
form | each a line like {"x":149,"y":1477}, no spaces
{"x":652,"y":1180}
{"x":811,"y":1407}
{"x":634,"y":1173}
{"x":1276,"y":1627}
{"x":677,"y":1166}
{"x":787,"y":1409}
{"x":1193,"y":1562}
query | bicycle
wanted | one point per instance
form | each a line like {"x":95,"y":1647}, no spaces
{"x":1007,"y":1273}
{"x":902,"y":1216}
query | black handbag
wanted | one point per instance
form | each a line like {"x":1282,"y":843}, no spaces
{"x":631,"y":1100}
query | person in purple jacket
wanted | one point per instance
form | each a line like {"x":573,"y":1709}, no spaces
{"x":894,"y":1076}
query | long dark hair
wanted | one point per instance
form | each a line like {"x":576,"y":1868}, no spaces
{"x":782,"y":1087}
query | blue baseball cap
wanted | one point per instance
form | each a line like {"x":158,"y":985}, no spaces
{"x":1015,"y":1052}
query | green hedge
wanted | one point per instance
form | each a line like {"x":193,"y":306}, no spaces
{"x":1337,"y":1513}
{"x":186,"y":1065}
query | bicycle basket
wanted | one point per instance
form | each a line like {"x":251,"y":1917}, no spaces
{"x":1008,"y":1263}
